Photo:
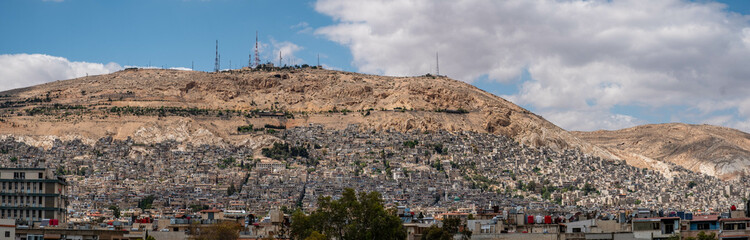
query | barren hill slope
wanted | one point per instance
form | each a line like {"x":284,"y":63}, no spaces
{"x":154,"y":105}
{"x":716,"y":151}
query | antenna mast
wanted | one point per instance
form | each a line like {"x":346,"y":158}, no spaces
{"x":257,"y":56}
{"x":216,"y":62}
{"x":437,"y":64}
{"x":318,"y":59}
{"x":279,"y":58}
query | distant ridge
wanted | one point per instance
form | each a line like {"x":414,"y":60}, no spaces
{"x":717,"y":151}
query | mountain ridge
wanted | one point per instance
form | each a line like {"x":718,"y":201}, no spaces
{"x":151,"y":105}
{"x":713,"y":150}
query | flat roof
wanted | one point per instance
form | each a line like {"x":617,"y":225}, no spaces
{"x":655,"y":219}
{"x":734,"y":219}
{"x":24,"y":169}
{"x":704,"y":218}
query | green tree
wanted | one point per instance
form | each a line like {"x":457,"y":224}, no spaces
{"x":146,"y":202}
{"x":531,"y":186}
{"x":315,"y":235}
{"x":231,"y":190}
{"x":520,"y":185}
{"x":436,"y":233}
{"x":454,"y":226}
{"x":220,"y":231}
{"x":451,"y":227}
{"x":703,"y":236}
{"x":353,"y":216}
{"x":674,"y":237}
{"x":115,"y":211}
{"x":588,"y":188}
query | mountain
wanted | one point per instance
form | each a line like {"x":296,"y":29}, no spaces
{"x":127,"y":104}
{"x":716,"y":151}
{"x":156,"y":105}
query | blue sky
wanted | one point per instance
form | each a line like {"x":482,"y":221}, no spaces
{"x":679,"y":63}
{"x":164,"y":33}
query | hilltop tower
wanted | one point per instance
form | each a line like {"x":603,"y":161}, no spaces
{"x":216,"y":62}
{"x":437,"y":64}
{"x":257,"y":55}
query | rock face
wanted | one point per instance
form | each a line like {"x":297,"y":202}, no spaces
{"x":716,"y":151}
{"x":332,"y":98}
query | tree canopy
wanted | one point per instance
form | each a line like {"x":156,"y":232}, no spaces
{"x":451,"y":227}
{"x":115,"y":210}
{"x":353,"y":216}
{"x":220,"y":231}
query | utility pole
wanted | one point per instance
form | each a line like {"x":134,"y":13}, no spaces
{"x":280,"y":58}
{"x":318,"y":60}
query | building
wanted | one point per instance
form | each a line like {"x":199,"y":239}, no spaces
{"x":656,"y":228}
{"x":735,"y":228}
{"x":7,"y":229}
{"x":41,"y":234}
{"x":702,"y":223}
{"x":32,"y":194}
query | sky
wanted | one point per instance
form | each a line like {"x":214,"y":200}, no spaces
{"x":582,"y":64}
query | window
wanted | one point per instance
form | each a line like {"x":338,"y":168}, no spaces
{"x":741,"y":226}
{"x":668,"y":228}
{"x":703,"y":226}
{"x":7,"y":234}
{"x":576,"y":230}
{"x":41,"y":175}
{"x":728,"y":226}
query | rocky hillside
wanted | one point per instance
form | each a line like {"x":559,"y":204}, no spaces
{"x":152,"y":105}
{"x":716,"y":151}
{"x":156,"y":105}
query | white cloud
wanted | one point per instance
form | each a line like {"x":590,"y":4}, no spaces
{"x":287,"y":50}
{"x":583,"y":56}
{"x":155,"y":67}
{"x":23,"y":70}
{"x":592,"y":120}
{"x":181,"y":68}
{"x":302,"y":27}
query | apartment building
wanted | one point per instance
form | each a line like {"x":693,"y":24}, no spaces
{"x":32,"y":194}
